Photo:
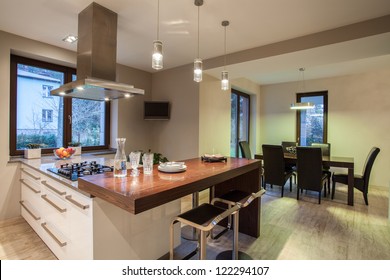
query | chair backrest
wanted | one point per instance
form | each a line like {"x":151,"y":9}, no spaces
{"x":325,"y":148}
{"x":274,"y":166}
{"x":309,"y":168}
{"x":287,"y":144}
{"x":245,"y":150}
{"x":368,"y":165}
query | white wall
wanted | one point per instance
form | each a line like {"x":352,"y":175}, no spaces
{"x":127,"y":114}
{"x":358,"y":117}
{"x":177,"y":138}
{"x":215,"y":115}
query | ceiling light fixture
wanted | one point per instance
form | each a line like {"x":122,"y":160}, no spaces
{"x":157,"y":57}
{"x":225,"y":74}
{"x":198,"y":61}
{"x":303,"y":105}
{"x":70,"y":39}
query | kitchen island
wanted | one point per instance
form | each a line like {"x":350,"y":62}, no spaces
{"x":137,"y":211}
{"x":126,"y":218}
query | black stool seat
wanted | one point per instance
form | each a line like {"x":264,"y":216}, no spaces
{"x":203,"y":214}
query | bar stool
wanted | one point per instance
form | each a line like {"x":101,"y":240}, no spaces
{"x":203,"y":218}
{"x":188,"y":232}
{"x":232,"y":199}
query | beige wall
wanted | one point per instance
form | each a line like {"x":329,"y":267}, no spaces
{"x":128,"y":112}
{"x":177,"y":138}
{"x":215,"y":115}
{"x":358,"y":119}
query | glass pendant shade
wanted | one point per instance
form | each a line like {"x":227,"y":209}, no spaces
{"x":157,"y":58}
{"x":224,"y":80}
{"x":198,"y":70}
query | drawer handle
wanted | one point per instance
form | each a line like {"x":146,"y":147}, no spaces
{"x":53,"y":188}
{"x":78,"y":204}
{"x":28,"y":186}
{"x":61,"y":244}
{"x":28,"y":211}
{"x":53,"y":204}
{"x":29,"y":174}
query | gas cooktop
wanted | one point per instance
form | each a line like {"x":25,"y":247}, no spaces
{"x":73,"y":171}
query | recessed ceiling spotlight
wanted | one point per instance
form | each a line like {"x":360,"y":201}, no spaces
{"x":70,"y":39}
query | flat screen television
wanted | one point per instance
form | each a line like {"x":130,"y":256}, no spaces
{"x":156,"y":110}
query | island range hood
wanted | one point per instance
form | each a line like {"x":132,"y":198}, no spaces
{"x":96,"y":58}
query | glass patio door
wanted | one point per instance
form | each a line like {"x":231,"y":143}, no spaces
{"x":239,"y":121}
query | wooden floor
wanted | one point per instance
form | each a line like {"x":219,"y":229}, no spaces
{"x":290,"y":229}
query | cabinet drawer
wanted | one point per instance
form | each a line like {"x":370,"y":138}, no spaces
{"x":31,"y":215}
{"x":53,"y":187}
{"x":29,"y":173}
{"x":55,"y":212}
{"x":55,"y":239}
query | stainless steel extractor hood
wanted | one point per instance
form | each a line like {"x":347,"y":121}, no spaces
{"x":96,"y":58}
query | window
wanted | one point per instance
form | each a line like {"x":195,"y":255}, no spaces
{"x":38,"y":117}
{"x":47,"y":115}
{"x":46,"y":91}
{"x":312,"y":123}
{"x":239,"y":121}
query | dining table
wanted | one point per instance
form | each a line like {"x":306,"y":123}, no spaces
{"x":328,"y":161}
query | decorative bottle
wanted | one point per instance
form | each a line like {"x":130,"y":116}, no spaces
{"x":120,"y":160}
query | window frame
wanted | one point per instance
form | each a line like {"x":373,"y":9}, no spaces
{"x":324,"y":94}
{"x":67,"y":109}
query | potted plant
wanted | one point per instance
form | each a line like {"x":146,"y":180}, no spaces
{"x":33,"y":150}
{"x":76,"y":146}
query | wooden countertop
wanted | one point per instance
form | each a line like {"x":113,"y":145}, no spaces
{"x":138,"y":194}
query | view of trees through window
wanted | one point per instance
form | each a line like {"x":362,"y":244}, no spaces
{"x":44,"y":119}
{"x":312,"y":122}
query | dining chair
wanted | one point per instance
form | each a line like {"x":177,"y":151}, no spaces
{"x":325,"y":148}
{"x":360,"y":182}
{"x":245,"y":149}
{"x":309,"y":168}
{"x":246,"y":153}
{"x":288,"y":147}
{"x":275,"y":172}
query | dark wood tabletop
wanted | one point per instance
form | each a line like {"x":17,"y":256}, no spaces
{"x":144,"y":192}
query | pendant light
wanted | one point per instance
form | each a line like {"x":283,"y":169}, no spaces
{"x":303,"y":105}
{"x":198,"y":61}
{"x":225,"y":74}
{"x":157,"y":57}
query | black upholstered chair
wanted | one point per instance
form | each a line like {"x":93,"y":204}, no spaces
{"x":245,"y":150}
{"x":288,"y":147}
{"x":309,"y":168}
{"x":325,"y":148}
{"x":275,"y":172}
{"x":246,"y":153}
{"x":361,"y":182}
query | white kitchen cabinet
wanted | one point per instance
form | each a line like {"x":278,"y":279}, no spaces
{"x":62,"y":217}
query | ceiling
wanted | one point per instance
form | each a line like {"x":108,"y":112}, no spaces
{"x":253,"y":23}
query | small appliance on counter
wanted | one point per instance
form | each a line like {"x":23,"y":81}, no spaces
{"x":73,"y":171}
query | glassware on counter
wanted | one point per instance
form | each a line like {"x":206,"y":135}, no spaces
{"x":134,"y":162}
{"x":120,"y":160}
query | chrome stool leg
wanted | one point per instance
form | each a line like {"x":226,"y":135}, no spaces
{"x":188,"y":232}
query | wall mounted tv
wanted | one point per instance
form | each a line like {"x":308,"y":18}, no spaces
{"x":156,"y":110}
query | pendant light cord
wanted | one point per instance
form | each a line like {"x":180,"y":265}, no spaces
{"x":224,"y":67}
{"x":158,"y":19}
{"x":198,"y":28}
